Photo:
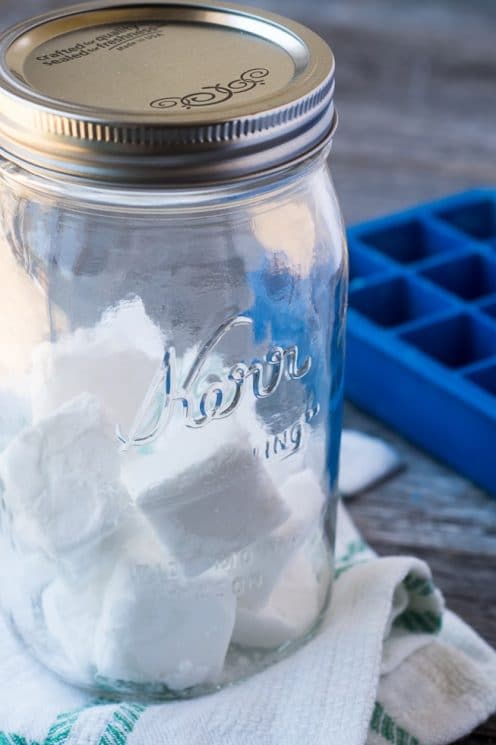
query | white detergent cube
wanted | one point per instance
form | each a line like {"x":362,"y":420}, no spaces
{"x":14,"y":416}
{"x":364,"y":461}
{"x":157,"y":627}
{"x":24,"y":578}
{"x":214,"y":508}
{"x":116,"y":361}
{"x":71,"y":617}
{"x":306,"y":501}
{"x":178,"y":447}
{"x":290,"y":612}
{"x":260,"y":566}
{"x":72,"y":604}
{"x":61,"y":480}
{"x":171,"y":454}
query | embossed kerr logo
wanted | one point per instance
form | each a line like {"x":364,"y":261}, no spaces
{"x":201,"y":399}
{"x":211,"y":95}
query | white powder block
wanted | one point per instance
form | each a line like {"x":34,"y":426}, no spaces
{"x":115,"y":361}
{"x":92,"y":565}
{"x":128,"y":326}
{"x":24,"y":578}
{"x":15,"y":414}
{"x":177,"y":450}
{"x":214,"y":508}
{"x":291,"y":609}
{"x":157,"y":627}
{"x":364,"y":461}
{"x":135,"y":542}
{"x":179,"y":447}
{"x":260,"y":566}
{"x":61,"y":480}
{"x":72,"y":603}
{"x":71,"y":617}
{"x":306,"y":501}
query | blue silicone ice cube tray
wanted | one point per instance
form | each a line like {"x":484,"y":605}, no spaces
{"x":421,"y":345}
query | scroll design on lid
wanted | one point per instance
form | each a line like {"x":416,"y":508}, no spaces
{"x":211,"y":95}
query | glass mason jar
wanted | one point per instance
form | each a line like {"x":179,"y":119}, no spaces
{"x":173,"y":291}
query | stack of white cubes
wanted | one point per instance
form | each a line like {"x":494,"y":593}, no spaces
{"x":153,"y":560}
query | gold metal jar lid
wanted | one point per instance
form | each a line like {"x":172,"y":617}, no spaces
{"x":163,"y":92}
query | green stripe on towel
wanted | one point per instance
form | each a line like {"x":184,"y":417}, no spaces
{"x":352,"y":549}
{"x":420,"y":622}
{"x":385,"y":726}
{"x":418,"y":585}
{"x":62,"y":727}
{"x":11,"y":739}
{"x":122,"y":724}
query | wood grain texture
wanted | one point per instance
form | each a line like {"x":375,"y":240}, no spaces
{"x":415,"y":93}
{"x":416,"y":122}
{"x":430,"y":512}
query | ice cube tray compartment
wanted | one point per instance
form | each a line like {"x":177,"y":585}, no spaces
{"x":456,"y":342}
{"x":477,"y":218}
{"x":470,"y":277}
{"x":396,"y":301}
{"x":490,"y":308}
{"x":362,"y":264}
{"x":411,"y":240}
{"x":421,"y":347}
{"x":485,"y":378}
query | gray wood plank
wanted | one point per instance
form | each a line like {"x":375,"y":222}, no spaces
{"x":438,"y":516}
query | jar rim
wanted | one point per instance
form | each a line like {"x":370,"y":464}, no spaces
{"x":159,"y":198}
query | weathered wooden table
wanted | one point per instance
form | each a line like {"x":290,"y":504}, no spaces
{"x":430,"y":512}
{"x":417,"y":120}
{"x":415,"y":93}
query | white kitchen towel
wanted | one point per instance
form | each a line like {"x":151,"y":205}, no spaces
{"x":389,"y":665}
